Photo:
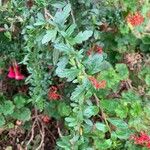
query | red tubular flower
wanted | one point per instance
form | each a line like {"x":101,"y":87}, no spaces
{"x":98,"y":49}
{"x":53,"y":94}
{"x":95,"y":48}
{"x":143,"y":139}
{"x":14,"y":72}
{"x":144,"y":136}
{"x":11,"y":73}
{"x":136,"y":19}
{"x":102,"y":84}
{"x":148,"y":145}
{"x":97,"y":84}
{"x":18,"y":75}
{"x":46,"y":119}
{"x":54,"y":88}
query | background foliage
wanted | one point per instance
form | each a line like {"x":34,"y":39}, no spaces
{"x":63,"y":44}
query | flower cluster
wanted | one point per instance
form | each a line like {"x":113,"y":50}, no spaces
{"x":143,"y":139}
{"x":46,"y":119}
{"x":136,"y":19}
{"x":53,"y":93}
{"x":97,"y":84}
{"x":14,"y":72}
{"x":96,"y":49}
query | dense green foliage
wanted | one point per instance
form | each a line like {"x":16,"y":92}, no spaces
{"x":96,"y":58}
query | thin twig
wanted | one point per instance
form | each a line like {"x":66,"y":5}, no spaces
{"x":42,"y":132}
{"x":32,"y":132}
{"x":2,"y":29}
{"x":54,"y":139}
{"x":47,"y":14}
{"x":103,"y":114}
{"x":36,"y":116}
{"x":58,"y":130}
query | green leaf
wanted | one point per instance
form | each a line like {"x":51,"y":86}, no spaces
{"x":91,"y":111}
{"x":39,"y":23}
{"x":52,"y":109}
{"x":59,"y":5}
{"x":8,"y":35}
{"x":70,"y":119}
{"x":56,"y":54}
{"x":71,"y":122}
{"x":23,"y":114}
{"x":19,"y":101}
{"x":111,"y":76}
{"x":122,"y":70}
{"x":145,"y":47}
{"x":8,"y":107}
{"x":88,"y":122}
{"x":62,"y":62}
{"x":101,"y":126}
{"x":118,"y":123}
{"x":64,"y":109}
{"x":2,"y":121}
{"x":63,"y":72}
{"x":40,"y":102}
{"x":95,"y":63}
{"x":70,"y":74}
{"x":147,"y":79}
{"x":123,"y":134}
{"x":146,"y":40}
{"x":1,"y":109}
{"x":83,"y":36}
{"x":61,"y":16}
{"x":130,"y":96}
{"x":136,"y":109}
{"x":63,"y":48}
{"x":145,"y":71}
{"x":121,"y":111}
{"x":71,"y":29}
{"x":64,"y":143}
{"x":50,"y":35}
{"x":103,"y":144}
{"x":105,"y":65}
{"x":78,"y":93}
{"x":109,"y":105}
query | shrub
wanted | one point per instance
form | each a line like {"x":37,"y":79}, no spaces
{"x":75,"y":73}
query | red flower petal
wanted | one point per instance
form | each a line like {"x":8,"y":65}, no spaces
{"x":53,"y":94}
{"x":11,"y":73}
{"x":143,"y":139}
{"x":18,"y":75}
{"x":97,"y":84}
{"x":98,"y":49}
{"x":136,"y":19}
{"x":46,"y":119}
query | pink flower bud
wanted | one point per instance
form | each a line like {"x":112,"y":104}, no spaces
{"x":11,"y":73}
